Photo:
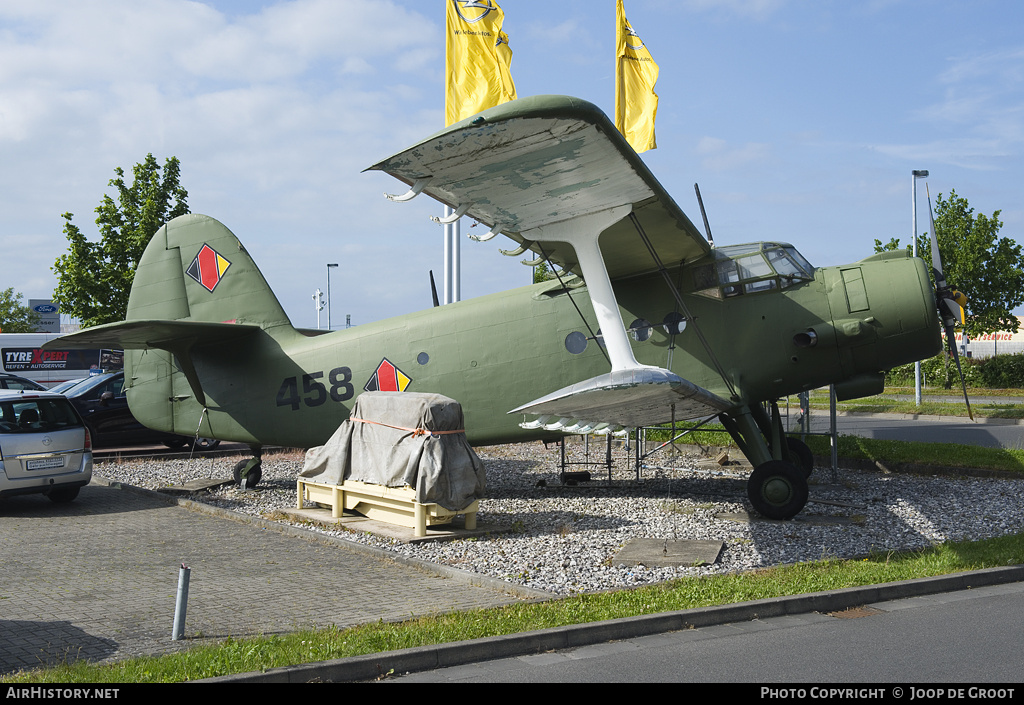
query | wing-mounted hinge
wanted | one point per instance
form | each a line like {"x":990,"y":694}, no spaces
{"x":412,"y":193}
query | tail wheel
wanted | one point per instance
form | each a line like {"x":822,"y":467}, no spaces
{"x":777,"y":489}
{"x":248,"y":473}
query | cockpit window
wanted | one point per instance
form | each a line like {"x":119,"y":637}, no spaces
{"x":751,"y":269}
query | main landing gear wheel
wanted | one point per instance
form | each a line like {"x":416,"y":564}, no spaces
{"x":801,"y":455}
{"x":777,"y":489}
{"x":248,"y":473}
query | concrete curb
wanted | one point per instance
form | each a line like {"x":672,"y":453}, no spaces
{"x":373,"y":666}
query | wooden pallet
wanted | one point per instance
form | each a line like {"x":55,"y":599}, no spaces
{"x":395,"y":505}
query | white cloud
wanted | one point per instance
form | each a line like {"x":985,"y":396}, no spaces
{"x":718,"y":155}
{"x":983,"y":98}
{"x":273,"y":112}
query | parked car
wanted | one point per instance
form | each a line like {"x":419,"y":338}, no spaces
{"x":66,"y":385}
{"x":103,"y":404}
{"x":44,"y":446}
{"x":9,"y":381}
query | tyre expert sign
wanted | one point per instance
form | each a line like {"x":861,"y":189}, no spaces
{"x":37,"y":359}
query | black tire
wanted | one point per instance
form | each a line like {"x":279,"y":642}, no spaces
{"x":63,"y":495}
{"x":777,"y":489}
{"x":800,"y":455}
{"x":254,"y":475}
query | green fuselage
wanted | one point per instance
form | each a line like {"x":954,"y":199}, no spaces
{"x":280,"y":386}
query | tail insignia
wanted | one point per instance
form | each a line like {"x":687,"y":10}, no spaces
{"x":208,"y":268}
{"x":387,"y":378}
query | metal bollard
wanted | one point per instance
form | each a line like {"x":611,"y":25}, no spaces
{"x":180,"y":604}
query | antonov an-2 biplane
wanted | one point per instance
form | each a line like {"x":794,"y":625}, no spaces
{"x":646,"y":322}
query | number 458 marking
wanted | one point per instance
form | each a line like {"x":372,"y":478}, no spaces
{"x":314,"y":392}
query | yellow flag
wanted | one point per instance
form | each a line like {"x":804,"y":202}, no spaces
{"x":636,"y":103}
{"x":478,"y":59}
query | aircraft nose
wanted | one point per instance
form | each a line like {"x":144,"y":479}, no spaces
{"x":883,"y":311}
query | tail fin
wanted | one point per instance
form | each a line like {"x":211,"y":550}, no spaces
{"x":196,"y":269}
{"x":197,"y":304}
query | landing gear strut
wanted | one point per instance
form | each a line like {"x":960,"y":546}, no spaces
{"x":249,"y":472}
{"x":777,"y":487}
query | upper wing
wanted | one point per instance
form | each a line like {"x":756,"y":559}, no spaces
{"x":542,"y":160}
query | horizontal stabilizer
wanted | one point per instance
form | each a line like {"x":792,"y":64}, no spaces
{"x":634,"y":397}
{"x":178,"y":337}
{"x":143,"y":335}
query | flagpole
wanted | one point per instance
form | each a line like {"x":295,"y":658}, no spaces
{"x":449,"y":272}
{"x":473,"y":40}
{"x":456,"y":261}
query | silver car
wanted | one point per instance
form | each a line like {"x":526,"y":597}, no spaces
{"x":44,"y":446}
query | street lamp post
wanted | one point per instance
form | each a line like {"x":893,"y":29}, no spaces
{"x":915,"y":175}
{"x":329,"y":266}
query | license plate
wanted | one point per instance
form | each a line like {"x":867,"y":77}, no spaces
{"x":46,"y":463}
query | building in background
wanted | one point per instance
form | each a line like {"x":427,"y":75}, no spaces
{"x":991,"y":344}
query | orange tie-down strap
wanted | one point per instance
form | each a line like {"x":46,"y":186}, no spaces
{"x":414,"y":431}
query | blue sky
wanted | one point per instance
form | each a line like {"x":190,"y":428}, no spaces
{"x":800,"y":119}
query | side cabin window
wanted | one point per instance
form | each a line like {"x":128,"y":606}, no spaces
{"x":751,"y":269}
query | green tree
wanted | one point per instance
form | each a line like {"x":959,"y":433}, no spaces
{"x":988,"y":269}
{"x":15,"y":317}
{"x":95,"y":278}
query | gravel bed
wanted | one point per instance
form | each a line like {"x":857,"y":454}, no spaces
{"x":564,"y":539}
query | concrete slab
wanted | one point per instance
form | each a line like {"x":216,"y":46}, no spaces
{"x":210,"y":483}
{"x":405,"y":534}
{"x":666,"y":553}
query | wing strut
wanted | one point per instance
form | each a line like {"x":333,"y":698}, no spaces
{"x":582,"y":233}
{"x":682,"y":305}
{"x":568,"y":293}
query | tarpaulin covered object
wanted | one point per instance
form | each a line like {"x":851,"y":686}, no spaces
{"x":399,"y":439}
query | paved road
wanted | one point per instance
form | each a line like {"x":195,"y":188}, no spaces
{"x":963,"y":637}
{"x":987,"y":433}
{"x":97,"y":579}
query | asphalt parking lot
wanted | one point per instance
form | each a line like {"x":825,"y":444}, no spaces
{"x":97,"y":579}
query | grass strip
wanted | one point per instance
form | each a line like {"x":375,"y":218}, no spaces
{"x":885,"y":403}
{"x":261,"y":653}
{"x":947,"y":455}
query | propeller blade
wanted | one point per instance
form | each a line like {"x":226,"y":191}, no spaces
{"x":951,"y":344}
{"x":940,"y":279}
{"x":949,"y":302}
{"x":954,"y":310}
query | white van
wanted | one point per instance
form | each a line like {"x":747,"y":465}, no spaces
{"x":22,"y":354}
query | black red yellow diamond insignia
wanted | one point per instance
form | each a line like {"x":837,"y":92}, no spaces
{"x":387,"y":378}
{"x":208,"y":268}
